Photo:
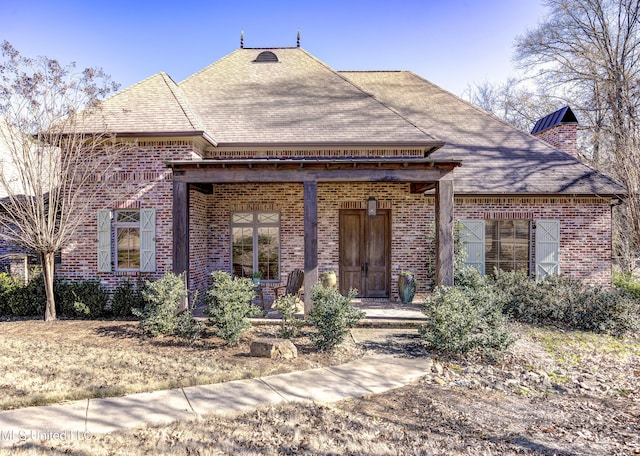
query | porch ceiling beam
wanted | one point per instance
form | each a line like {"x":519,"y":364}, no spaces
{"x":233,"y":175}
{"x":421,"y":187}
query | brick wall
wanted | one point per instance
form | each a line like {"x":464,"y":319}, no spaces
{"x":585,"y":234}
{"x":199,"y":241}
{"x":562,"y":136}
{"x":142,"y":181}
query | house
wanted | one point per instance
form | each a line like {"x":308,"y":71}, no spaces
{"x":270,"y":160}
{"x":13,"y":258}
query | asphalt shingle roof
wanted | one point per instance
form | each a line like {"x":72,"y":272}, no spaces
{"x":300,"y":101}
{"x":295,"y":100}
{"x":154,"y":105}
{"x":496,"y":157}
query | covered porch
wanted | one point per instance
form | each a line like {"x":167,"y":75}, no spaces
{"x":314,"y":176}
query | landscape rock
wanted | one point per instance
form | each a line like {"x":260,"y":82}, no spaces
{"x":273,"y":348}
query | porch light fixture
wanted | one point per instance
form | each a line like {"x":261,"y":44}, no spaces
{"x":372,"y":206}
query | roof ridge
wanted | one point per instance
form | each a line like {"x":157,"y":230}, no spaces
{"x":384,"y":104}
{"x":132,"y":86}
{"x":360,"y":89}
{"x":190,"y":113}
{"x":483,"y":112}
{"x":208,"y":66}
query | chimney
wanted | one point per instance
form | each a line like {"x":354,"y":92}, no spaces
{"x":560,"y":129}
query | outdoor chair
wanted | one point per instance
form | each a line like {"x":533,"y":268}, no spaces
{"x":295,"y":280}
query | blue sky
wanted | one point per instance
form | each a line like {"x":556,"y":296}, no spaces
{"x":451,"y":43}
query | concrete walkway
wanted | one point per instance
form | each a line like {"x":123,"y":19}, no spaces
{"x":388,"y":364}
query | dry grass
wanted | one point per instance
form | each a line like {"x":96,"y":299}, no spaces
{"x":48,"y":362}
{"x":422,"y":418}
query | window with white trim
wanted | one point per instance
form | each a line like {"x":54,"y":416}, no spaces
{"x":126,"y":240}
{"x":255,"y":244}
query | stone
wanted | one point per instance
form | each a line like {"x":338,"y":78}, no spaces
{"x":273,"y":348}
{"x":440,"y":381}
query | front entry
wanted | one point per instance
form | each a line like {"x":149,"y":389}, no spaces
{"x":365,"y":252}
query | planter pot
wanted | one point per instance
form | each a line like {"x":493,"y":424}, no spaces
{"x":256,"y":281}
{"x":328,"y":279}
{"x":406,"y":287}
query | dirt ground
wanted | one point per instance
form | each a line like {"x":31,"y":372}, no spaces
{"x":553,"y":393}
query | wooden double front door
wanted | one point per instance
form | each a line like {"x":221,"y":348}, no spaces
{"x":365,"y":252}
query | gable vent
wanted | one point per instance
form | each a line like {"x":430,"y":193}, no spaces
{"x":266,"y":56}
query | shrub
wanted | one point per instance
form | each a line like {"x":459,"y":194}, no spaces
{"x":163,"y":299}
{"x":287,"y":305}
{"x":626,"y":284}
{"x":29,"y":300}
{"x":128,"y":295}
{"x":569,"y":302}
{"x":332,"y":314}
{"x":464,"y":319}
{"x":229,"y":305}
{"x":81,"y":298}
{"x":9,"y":286}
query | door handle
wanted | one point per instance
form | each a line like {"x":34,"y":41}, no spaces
{"x":366,"y":269}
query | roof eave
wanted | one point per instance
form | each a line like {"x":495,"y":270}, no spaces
{"x":431,"y":146}
{"x":313,"y":161}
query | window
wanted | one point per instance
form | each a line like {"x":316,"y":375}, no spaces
{"x":255,"y":244}
{"x":128,"y":236}
{"x":127,"y":228}
{"x":506,"y":245}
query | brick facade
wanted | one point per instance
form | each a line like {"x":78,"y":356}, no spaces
{"x":585,"y":250}
{"x":144,"y":181}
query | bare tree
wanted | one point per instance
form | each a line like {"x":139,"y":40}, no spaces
{"x":51,"y":161}
{"x":512,"y":102}
{"x":589,"y":50}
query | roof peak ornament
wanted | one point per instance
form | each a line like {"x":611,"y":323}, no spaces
{"x":241,"y":39}
{"x":298,"y":41}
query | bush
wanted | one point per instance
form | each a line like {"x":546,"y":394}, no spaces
{"x":627,"y":285}
{"x":163,"y":299}
{"x":128,"y":295}
{"x":81,"y":298}
{"x":287,"y":305}
{"x":569,"y":302}
{"x":332,"y":314}
{"x":461,"y":320}
{"x":8,"y":288}
{"x":229,"y":305}
{"x":29,"y":300}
